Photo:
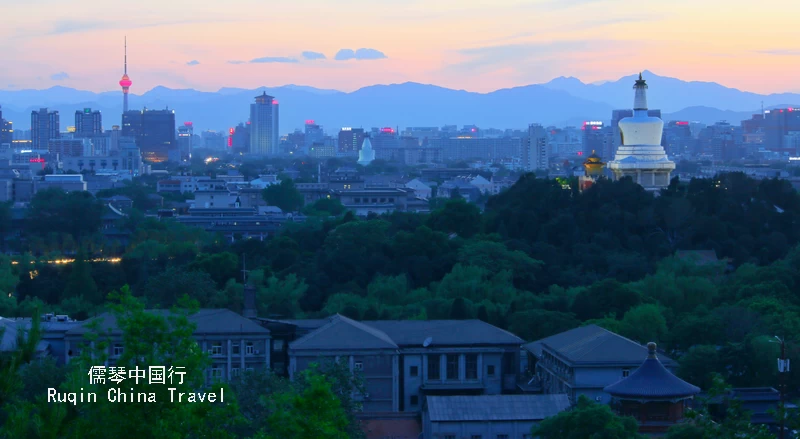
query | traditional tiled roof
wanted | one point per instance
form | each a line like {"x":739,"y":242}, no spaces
{"x":445,"y":332}
{"x":495,"y":408}
{"x":651,"y":381}
{"x":208,"y":321}
{"x":593,"y":345}
{"x":343,"y":333}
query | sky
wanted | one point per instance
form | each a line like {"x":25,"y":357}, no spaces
{"x":476,"y":45}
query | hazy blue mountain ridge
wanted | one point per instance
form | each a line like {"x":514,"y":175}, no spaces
{"x":559,"y":102}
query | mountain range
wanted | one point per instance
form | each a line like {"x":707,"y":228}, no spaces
{"x":562,"y":101}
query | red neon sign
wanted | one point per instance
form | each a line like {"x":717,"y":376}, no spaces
{"x":39,"y":160}
{"x":387,"y":130}
{"x":309,"y":121}
{"x":681,"y":123}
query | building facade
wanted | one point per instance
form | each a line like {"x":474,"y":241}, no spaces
{"x":45,"y":125}
{"x":264,"y":138}
{"x":153,"y":131}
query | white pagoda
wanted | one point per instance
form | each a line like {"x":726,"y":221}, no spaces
{"x":641,"y":155}
{"x":367,"y":154}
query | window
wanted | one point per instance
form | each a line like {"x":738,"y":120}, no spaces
{"x":118,"y":350}
{"x":279,"y":366}
{"x":452,"y":366}
{"x":490,"y":370}
{"x":249,"y":370}
{"x":434,"y":371}
{"x":475,"y":436}
{"x":357,"y":200}
{"x":414,"y":400}
{"x":471,"y":366}
{"x":391,"y":200}
{"x":234,"y":371}
{"x":625,"y":373}
{"x":277,"y":345}
{"x":413,"y":371}
{"x":216,"y":373}
{"x":502,"y":436}
{"x":249,"y":348}
{"x":449,"y":436}
{"x":358,"y":365}
{"x":216,"y":348}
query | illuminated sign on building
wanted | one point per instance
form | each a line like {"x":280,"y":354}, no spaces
{"x":39,"y":160}
{"x":347,"y":129}
{"x":681,"y":123}
{"x":187,"y":124}
{"x":230,"y":137}
{"x":794,"y":159}
{"x":593,"y":123}
{"x":71,"y":129}
{"x":309,"y":121}
{"x":387,"y":130}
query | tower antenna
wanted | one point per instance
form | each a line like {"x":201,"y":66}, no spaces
{"x":126,"y":55}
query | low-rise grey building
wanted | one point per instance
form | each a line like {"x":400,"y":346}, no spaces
{"x":584,"y":360}
{"x":488,"y":416}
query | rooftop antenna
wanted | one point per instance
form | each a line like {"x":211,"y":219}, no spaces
{"x":427,"y":342}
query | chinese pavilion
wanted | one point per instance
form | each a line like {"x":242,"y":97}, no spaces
{"x":652,"y":395}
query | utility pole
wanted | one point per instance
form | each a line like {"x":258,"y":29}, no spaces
{"x":783,"y":369}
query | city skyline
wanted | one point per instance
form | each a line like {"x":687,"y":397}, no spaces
{"x":467,"y":45}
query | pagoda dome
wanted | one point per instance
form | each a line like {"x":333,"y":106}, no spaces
{"x":593,"y":165}
{"x":652,"y":381}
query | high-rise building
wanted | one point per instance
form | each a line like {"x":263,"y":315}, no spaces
{"x":350,"y":139}
{"x":535,"y":154}
{"x":641,"y":155}
{"x":264,"y":138}
{"x":88,"y":123}
{"x":44,"y":126}
{"x":593,"y":137}
{"x":313,"y":134}
{"x":184,"y":142}
{"x":154,"y":132}
{"x":125,"y":82}
{"x":778,"y":123}
{"x":6,"y":130}
{"x":241,"y":138}
{"x":678,"y":138}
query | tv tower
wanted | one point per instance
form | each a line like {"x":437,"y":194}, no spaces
{"x":125,"y":82}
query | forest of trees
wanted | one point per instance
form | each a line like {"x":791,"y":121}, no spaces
{"x":537,"y":260}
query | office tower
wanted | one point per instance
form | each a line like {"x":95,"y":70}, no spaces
{"x":593,"y":138}
{"x":641,"y":155}
{"x":535,"y":156}
{"x":350,"y":139}
{"x":125,"y":82}
{"x":154,"y":133}
{"x":88,"y":123}
{"x":313,"y":134}
{"x":264,"y":126}
{"x":678,"y":138}
{"x":185,"y":142}
{"x":241,"y":138}
{"x":44,"y":126}
{"x":778,"y":123}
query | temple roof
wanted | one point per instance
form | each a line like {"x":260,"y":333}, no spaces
{"x":651,"y":381}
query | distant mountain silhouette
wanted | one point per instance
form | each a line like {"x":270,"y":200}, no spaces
{"x":562,"y":101}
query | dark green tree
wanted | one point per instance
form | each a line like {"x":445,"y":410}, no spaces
{"x":587,"y":420}
{"x":284,"y":196}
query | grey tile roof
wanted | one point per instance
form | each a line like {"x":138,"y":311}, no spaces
{"x":345,"y":334}
{"x":591,"y":344}
{"x":495,"y":407}
{"x":444,"y":332}
{"x":208,"y":321}
{"x":651,"y":380}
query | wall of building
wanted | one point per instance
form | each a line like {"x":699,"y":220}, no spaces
{"x":474,"y":430}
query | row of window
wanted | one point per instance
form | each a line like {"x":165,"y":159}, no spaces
{"x":452,"y":365}
{"x":249,"y":348}
{"x":358,"y":200}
